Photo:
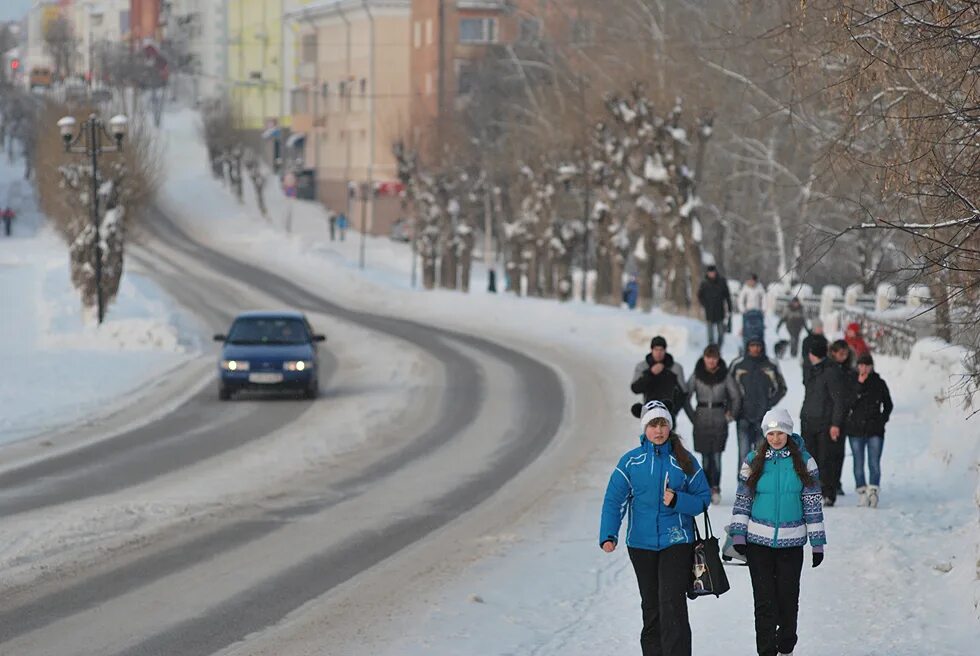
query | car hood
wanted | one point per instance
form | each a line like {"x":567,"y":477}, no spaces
{"x":271,"y":351}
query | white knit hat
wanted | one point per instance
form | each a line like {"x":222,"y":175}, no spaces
{"x":654,"y":409}
{"x":777,"y":420}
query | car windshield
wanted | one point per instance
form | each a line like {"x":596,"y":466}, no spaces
{"x":268,"y":331}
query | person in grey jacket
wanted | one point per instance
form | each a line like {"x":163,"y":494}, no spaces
{"x":713,"y":401}
{"x":795,"y":319}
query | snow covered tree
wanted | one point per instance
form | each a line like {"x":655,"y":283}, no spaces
{"x":127,"y":181}
{"x":645,"y":157}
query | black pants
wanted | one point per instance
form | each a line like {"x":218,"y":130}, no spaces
{"x":829,"y":456}
{"x":794,"y":343}
{"x":663,"y":577}
{"x":775,"y":577}
{"x":711,"y":463}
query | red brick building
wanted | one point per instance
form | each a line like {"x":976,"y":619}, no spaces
{"x":144,"y":21}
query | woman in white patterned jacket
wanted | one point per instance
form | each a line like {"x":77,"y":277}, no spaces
{"x":777,"y":507}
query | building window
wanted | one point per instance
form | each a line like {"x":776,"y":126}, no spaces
{"x":428,"y":32}
{"x":465,"y":77}
{"x":418,"y":34}
{"x":428,"y":84}
{"x":478,"y":30}
{"x":124,"y":22}
{"x":299,"y":101}
{"x":583,"y":32}
{"x":530,"y":30}
{"x":309,"y":49}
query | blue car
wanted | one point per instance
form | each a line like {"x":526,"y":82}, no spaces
{"x":269,"y":350}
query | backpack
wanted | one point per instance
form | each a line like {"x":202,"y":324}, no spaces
{"x":753,"y":326}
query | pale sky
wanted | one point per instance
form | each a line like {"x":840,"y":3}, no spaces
{"x":13,"y":9}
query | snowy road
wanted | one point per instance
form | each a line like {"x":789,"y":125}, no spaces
{"x":487,"y":414}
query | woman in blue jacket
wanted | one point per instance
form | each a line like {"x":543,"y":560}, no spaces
{"x":777,"y":507}
{"x":660,"y":487}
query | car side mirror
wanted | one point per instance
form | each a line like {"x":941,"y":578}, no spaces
{"x":220,"y":338}
{"x":319,"y":338}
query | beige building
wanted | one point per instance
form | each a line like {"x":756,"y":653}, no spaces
{"x":350,"y":100}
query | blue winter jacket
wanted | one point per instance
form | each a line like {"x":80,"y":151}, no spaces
{"x":636,"y":488}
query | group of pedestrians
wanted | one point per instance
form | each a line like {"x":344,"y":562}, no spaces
{"x":785,"y":480}
{"x":659,"y":488}
{"x":713,"y":397}
{"x":845,"y":399}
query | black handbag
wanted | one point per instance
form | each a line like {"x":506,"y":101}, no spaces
{"x":707,"y":573}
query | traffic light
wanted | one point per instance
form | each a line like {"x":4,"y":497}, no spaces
{"x":14,"y":64}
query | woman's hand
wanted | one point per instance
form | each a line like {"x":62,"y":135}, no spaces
{"x":668,"y":496}
{"x":609,"y":546}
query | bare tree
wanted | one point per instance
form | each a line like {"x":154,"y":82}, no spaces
{"x":61,"y":43}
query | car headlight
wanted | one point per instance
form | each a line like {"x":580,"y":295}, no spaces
{"x":298,"y":365}
{"x":235,"y":365}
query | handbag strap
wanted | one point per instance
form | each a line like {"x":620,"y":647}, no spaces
{"x":707,"y":527}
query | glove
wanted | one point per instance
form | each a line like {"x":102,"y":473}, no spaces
{"x":817,"y":558}
{"x":740,"y":549}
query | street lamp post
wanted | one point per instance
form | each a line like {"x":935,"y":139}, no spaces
{"x":88,"y":141}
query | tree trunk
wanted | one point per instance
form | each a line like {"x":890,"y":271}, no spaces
{"x":646,"y":268}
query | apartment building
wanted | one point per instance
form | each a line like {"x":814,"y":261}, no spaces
{"x":196,"y":31}
{"x":255,"y":62}
{"x":350,"y":101}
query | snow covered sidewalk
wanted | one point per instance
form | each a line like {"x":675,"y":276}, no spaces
{"x":58,"y":369}
{"x":901,"y":580}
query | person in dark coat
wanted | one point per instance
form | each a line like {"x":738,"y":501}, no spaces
{"x":8,"y":215}
{"x":760,"y":386}
{"x":822,"y":418}
{"x":795,"y":320}
{"x":712,"y":403}
{"x":842,"y":355}
{"x":866,"y":428}
{"x":716,"y":300}
{"x":648,"y":378}
{"x":815,"y":335}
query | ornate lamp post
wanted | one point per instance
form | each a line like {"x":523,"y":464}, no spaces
{"x":87,"y":140}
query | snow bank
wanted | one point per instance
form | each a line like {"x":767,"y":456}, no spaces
{"x":58,"y":366}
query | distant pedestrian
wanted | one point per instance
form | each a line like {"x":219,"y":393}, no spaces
{"x":332,"y":217}
{"x":752,"y":296}
{"x":816,"y":335}
{"x":760,"y":386}
{"x":492,"y":281}
{"x":712,"y":403}
{"x":342,"y":225}
{"x":8,"y":215}
{"x":630,"y":293}
{"x":869,"y":413}
{"x":716,"y":300}
{"x":658,"y":377}
{"x":855,"y":340}
{"x":661,"y":488}
{"x":795,"y":319}
{"x":822,"y":418}
{"x":777,"y":509}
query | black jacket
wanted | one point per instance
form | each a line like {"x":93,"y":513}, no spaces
{"x":714,"y":297}
{"x":871,"y":409}
{"x":665,"y":386}
{"x":805,"y":348}
{"x":760,"y":384}
{"x":824,"y":403}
